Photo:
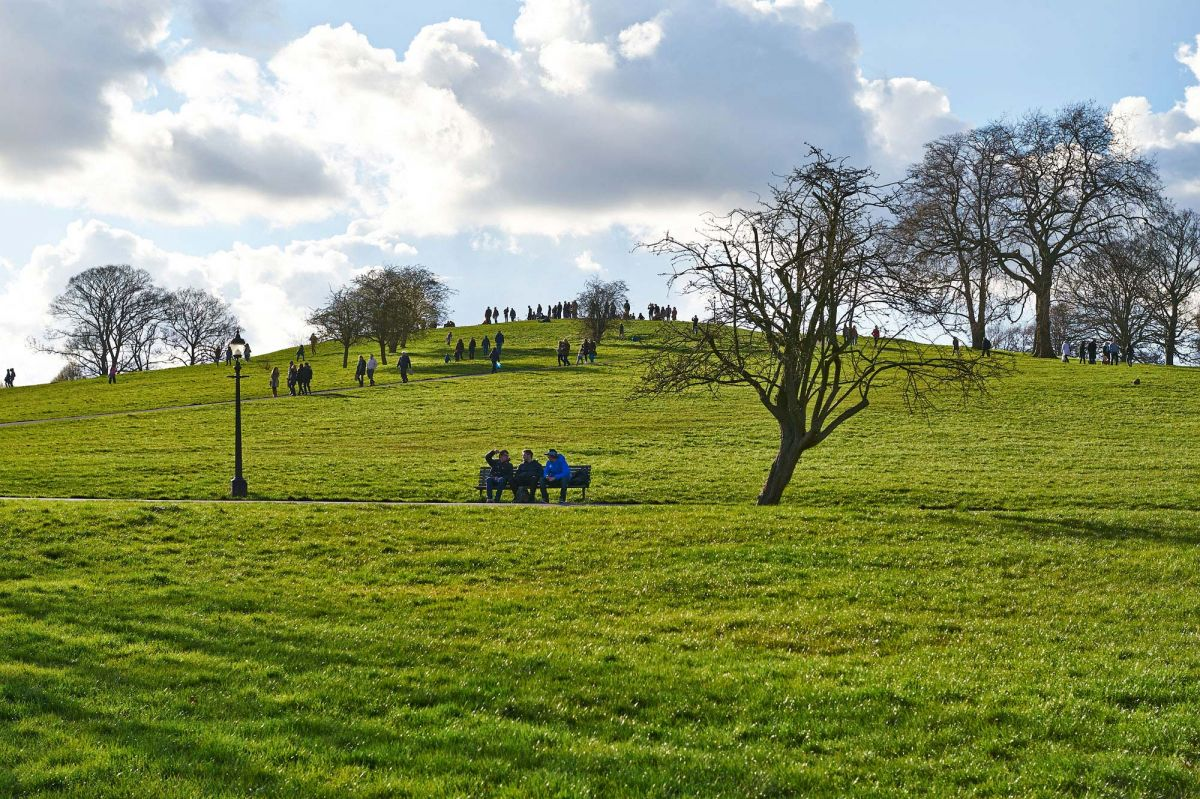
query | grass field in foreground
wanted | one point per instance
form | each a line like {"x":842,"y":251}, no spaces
{"x":186,"y":651}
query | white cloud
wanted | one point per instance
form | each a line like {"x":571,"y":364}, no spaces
{"x":584,"y":262}
{"x":542,"y":22}
{"x":905,"y":113}
{"x":571,"y":67}
{"x":1172,"y":136}
{"x":641,"y":40}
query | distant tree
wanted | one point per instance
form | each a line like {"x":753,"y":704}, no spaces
{"x":70,"y":372}
{"x":195,"y":324}
{"x":949,"y":220}
{"x":340,"y":319}
{"x":1109,"y":294}
{"x":398,"y":303}
{"x":598,"y":305}
{"x":782,"y":281}
{"x":1070,"y":182}
{"x":106,"y":316}
{"x":1174,"y":252}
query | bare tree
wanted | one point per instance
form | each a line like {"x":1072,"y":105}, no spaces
{"x":1071,"y":182}
{"x":69,"y":373}
{"x":599,"y":303}
{"x":398,"y":303}
{"x":340,"y":319}
{"x":1109,"y":294}
{"x":949,"y":220}
{"x":103,"y":318}
{"x":781,"y":281}
{"x":1174,"y":253}
{"x":195,"y":323}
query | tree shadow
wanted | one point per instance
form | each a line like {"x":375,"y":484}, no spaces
{"x":1182,"y":528}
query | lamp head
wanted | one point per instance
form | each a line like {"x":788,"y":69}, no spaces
{"x":238,"y":345}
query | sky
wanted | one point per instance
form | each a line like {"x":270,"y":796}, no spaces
{"x":268,"y":151}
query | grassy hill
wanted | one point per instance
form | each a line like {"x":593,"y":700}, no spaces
{"x":997,"y":600}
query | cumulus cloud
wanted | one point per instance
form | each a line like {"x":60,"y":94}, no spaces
{"x":641,"y":40}
{"x":905,"y":113}
{"x":1171,"y":136}
{"x":584,"y":262}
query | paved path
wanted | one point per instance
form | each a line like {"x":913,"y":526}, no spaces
{"x":349,"y":502}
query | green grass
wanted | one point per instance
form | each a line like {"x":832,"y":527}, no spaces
{"x":997,"y":600}
{"x":173,"y":651}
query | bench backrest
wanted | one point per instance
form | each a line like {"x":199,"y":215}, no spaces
{"x":580,"y":475}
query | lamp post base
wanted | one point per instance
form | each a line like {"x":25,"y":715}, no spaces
{"x":239,"y":487}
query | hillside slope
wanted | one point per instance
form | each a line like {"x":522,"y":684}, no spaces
{"x":1052,"y":435}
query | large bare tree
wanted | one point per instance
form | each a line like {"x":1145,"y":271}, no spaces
{"x":196,"y":322}
{"x":782,"y":280}
{"x":1072,"y":182}
{"x":950,"y":217}
{"x":103,"y":318}
{"x":599,"y":303}
{"x":1175,"y":259}
{"x":398,"y":303}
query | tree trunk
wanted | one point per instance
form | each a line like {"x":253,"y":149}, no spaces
{"x":784,"y":465}
{"x":978,"y":332}
{"x":1172,"y":333}
{"x":1043,"y":344}
{"x":383,"y":352}
{"x":345,"y":355}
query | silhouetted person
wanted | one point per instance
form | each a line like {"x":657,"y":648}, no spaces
{"x":471,"y":349}
{"x":987,"y":347}
{"x":695,"y":324}
{"x":487,"y":346}
{"x":360,"y":370}
{"x":228,"y":355}
{"x":405,"y":366}
{"x":275,"y":382}
{"x":495,"y":360}
{"x":112,"y":374}
{"x":458,"y":350}
{"x":292,"y":377}
{"x":300,"y":353}
{"x":312,"y":343}
{"x":1091,"y":348}
{"x":499,"y":342}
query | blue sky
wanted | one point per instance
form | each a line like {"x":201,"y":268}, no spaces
{"x":267,"y":151}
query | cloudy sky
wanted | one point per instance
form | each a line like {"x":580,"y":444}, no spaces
{"x":269,"y":150}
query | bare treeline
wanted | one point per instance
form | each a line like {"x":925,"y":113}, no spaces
{"x":1049,"y":229}
{"x":115,"y":315}
{"x":388,"y":305}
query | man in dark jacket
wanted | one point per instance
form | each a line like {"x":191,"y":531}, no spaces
{"x":502,"y":473}
{"x":499,"y":345}
{"x":405,"y":366}
{"x":529,"y":474}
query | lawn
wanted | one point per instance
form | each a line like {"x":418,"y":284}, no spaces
{"x":993,"y":600}
{"x":179,"y":651}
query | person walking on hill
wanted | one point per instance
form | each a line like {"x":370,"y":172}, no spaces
{"x":875,"y":336}
{"x":449,"y":337}
{"x":312,"y":343}
{"x":556,"y":474}
{"x":1066,"y":351}
{"x":471,"y":349}
{"x":360,"y":370}
{"x":275,"y":382}
{"x":495,"y":358}
{"x":487,"y":316}
{"x":487,"y":346}
{"x":112,"y":374}
{"x":1082,"y":351}
{"x":372,"y":365}
{"x":9,"y":377}
{"x":581,"y":356}
{"x":405,"y":366}
{"x":957,"y":351}
{"x":228,"y":356}
{"x":300,"y":353}
{"x":501,"y":476}
{"x":987,"y":347}
{"x":458,"y":350}
{"x":1091,"y":348}
{"x":292,"y":377}
{"x":499,"y":344}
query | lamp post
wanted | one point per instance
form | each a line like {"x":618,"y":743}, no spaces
{"x":238,"y":348}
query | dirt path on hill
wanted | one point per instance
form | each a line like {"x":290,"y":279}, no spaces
{"x":389,"y":503}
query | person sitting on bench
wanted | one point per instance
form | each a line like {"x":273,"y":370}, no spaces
{"x":556,"y":473}
{"x":528,"y":477}
{"x":502,"y":473}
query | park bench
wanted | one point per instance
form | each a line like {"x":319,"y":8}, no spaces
{"x":581,"y":478}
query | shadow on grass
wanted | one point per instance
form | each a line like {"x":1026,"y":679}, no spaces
{"x":1182,"y":529}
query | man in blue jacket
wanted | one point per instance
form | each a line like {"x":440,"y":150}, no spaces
{"x":556,"y":473}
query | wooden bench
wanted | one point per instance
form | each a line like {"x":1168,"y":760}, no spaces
{"x":581,"y":478}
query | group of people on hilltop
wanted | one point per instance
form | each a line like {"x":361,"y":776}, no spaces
{"x":527,"y":476}
{"x":662,"y":313}
{"x":491,"y":316}
{"x":1110,"y":352}
{"x":10,"y":378}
